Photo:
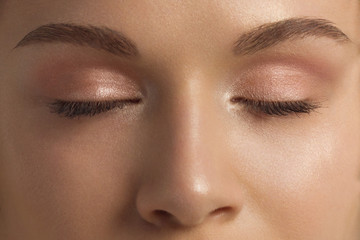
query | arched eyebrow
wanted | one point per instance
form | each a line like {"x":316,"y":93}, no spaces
{"x":250,"y":42}
{"x":100,"y":38}
{"x":271,"y":34}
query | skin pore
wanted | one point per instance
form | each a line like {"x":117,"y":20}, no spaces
{"x":206,"y":145}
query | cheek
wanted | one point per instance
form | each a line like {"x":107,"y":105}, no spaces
{"x":303,"y":182}
{"x":57,"y":168}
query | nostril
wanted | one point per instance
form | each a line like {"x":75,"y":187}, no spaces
{"x":221,"y":211}
{"x":164,"y":217}
{"x":162,"y":214}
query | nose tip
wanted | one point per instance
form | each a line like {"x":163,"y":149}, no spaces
{"x":164,"y":206}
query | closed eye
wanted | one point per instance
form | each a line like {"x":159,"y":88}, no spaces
{"x":71,"y":109}
{"x":277,"y":108}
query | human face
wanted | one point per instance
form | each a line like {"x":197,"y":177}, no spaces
{"x":198,"y":153}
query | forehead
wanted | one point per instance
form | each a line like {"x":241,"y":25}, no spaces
{"x":180,"y":15}
{"x":188,"y":9}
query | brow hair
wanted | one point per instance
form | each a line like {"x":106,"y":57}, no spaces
{"x":101,"y":38}
{"x":270,"y":34}
{"x":250,"y":42}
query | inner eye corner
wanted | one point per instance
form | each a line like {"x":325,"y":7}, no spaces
{"x":138,"y":100}
{"x":235,"y":99}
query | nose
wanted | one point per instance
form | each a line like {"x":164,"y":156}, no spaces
{"x":187,"y":177}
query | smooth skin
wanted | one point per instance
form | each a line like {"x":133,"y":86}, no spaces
{"x":185,"y":163}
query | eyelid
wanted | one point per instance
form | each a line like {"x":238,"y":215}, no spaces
{"x":72,"y":109}
{"x":287,"y":78}
{"x":277,"y":108}
{"x":86,"y":80}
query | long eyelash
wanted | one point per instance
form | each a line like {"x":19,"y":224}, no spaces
{"x":71,"y":109}
{"x":274,"y":108}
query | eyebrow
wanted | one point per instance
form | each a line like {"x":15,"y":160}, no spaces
{"x":271,"y":34}
{"x":100,"y":38}
{"x":250,"y":42}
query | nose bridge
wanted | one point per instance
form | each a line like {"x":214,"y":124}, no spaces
{"x":189,"y":115}
{"x":190,"y":132}
{"x":182,"y":138}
